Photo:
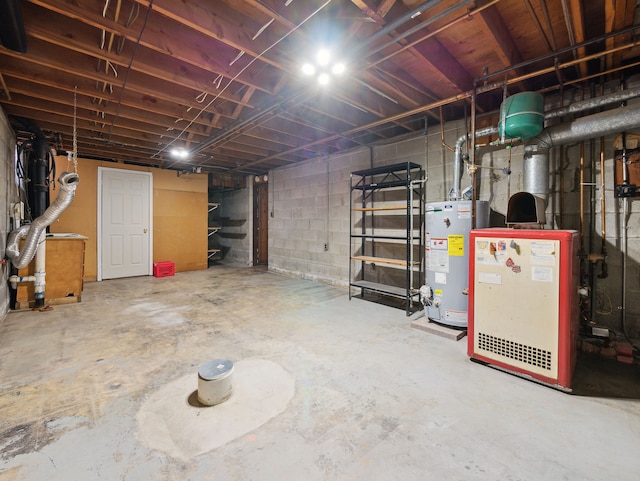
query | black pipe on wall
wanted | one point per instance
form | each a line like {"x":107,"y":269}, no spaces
{"x":12,"y":32}
{"x":39,"y":183}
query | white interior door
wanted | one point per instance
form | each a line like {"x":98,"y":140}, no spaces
{"x":124,"y":204}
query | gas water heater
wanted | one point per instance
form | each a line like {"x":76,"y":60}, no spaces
{"x":447,"y":258}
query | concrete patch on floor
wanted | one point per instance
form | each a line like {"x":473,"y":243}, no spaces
{"x":167,"y":421}
{"x":159,"y":313}
{"x":10,"y":474}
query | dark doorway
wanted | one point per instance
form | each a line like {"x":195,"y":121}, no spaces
{"x":260,"y":223}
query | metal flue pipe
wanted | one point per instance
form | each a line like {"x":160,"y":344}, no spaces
{"x":458,"y":160}
{"x":536,"y":163}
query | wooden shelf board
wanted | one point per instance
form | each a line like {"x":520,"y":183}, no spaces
{"x":388,"y":207}
{"x":382,"y":260}
{"x":383,"y":288}
{"x":233,"y":235}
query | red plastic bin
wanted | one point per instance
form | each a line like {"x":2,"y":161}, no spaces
{"x":164,"y":269}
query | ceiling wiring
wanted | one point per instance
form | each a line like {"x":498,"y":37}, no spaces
{"x":242,"y":52}
{"x":231,"y":80}
{"x":262,"y":29}
{"x":126,"y":76}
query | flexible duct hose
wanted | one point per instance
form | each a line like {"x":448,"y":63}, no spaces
{"x":68,"y":182}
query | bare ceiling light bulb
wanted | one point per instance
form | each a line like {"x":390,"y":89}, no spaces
{"x":338,"y":69}
{"x":179,"y":153}
{"x":323,"y":79}
{"x":308,"y":69}
{"x":324,"y":56}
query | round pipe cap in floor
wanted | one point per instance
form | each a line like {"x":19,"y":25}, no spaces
{"x":214,"y":381}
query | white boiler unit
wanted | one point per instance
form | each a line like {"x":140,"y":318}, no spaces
{"x":523,"y":302}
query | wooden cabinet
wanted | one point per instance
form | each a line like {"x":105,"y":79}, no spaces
{"x":64,"y":267}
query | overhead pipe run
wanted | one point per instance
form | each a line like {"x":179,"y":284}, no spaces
{"x":458,"y":162}
{"x":536,"y":154}
{"x":593,"y":103}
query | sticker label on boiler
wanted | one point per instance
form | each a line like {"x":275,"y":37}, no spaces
{"x":541,"y":274}
{"x":489,"y":278}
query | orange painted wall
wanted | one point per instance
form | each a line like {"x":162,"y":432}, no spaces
{"x":179,"y":214}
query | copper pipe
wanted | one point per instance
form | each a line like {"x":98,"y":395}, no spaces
{"x":603,"y":206}
{"x":472,"y":158}
{"x":451,"y":149}
{"x":582,"y":193}
{"x":486,"y":88}
{"x":509,"y":174}
{"x":603,"y":217}
{"x":547,"y":70}
{"x":602,"y":73}
{"x":563,"y":153}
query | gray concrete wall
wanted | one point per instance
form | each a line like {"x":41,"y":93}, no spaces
{"x":235,"y":217}
{"x":309,"y":217}
{"x":8,"y":196}
{"x":304,"y":219}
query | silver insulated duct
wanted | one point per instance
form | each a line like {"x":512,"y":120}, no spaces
{"x":458,"y":162}
{"x":536,"y":154}
{"x":68,"y":182}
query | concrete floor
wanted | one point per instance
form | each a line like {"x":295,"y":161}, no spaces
{"x":370,"y":397}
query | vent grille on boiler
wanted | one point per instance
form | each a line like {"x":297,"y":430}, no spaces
{"x":515,"y":350}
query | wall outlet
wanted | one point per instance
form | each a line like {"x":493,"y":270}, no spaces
{"x":326,"y":247}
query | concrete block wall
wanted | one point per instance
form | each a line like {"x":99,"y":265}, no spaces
{"x":303,"y":220}
{"x":309,"y":217}
{"x":234,"y":216}
{"x":8,"y":195}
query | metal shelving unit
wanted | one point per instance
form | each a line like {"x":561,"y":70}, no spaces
{"x":386,"y":248}
{"x":213,"y":229}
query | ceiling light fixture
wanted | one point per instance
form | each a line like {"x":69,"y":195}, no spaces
{"x":180,"y":153}
{"x":323,"y":78}
{"x":338,"y":69}
{"x":323,"y":57}
{"x":308,"y":69}
{"x":324,"y":68}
